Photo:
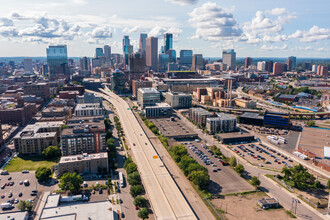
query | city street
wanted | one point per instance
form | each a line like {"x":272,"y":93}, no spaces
{"x":273,"y":189}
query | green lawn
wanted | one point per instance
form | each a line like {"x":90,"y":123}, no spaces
{"x":20,"y":163}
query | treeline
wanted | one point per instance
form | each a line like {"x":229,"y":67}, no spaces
{"x":193,"y":170}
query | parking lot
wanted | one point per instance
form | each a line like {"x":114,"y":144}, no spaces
{"x":262,"y":156}
{"x":224,"y":180}
{"x":18,"y":188}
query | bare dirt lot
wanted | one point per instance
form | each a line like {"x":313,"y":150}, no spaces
{"x":246,"y":207}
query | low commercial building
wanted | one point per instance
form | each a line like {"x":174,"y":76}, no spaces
{"x":34,"y":138}
{"x":92,"y":83}
{"x":136,"y":84}
{"x":88,"y":109}
{"x":85,"y":163}
{"x":268,"y":203}
{"x":39,"y":89}
{"x":54,"y":209}
{"x":189,"y":85}
{"x":276,"y":119}
{"x":55,"y":112}
{"x":252,"y":119}
{"x":69,"y":94}
{"x":148,"y":97}
{"x":243,"y":103}
{"x":287,"y":98}
{"x":72,"y":87}
{"x":159,"y":110}
{"x":83,"y":135}
{"x":178,"y":100}
{"x":89,"y":98}
{"x":235,"y":138}
{"x":199,"y":116}
{"x":222,"y":123}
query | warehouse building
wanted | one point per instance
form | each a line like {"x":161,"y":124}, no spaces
{"x":235,"y":138}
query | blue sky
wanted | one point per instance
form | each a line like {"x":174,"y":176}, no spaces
{"x":255,"y":28}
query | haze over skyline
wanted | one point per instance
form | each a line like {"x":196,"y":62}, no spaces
{"x":260,"y":29}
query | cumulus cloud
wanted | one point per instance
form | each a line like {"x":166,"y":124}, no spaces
{"x":6,"y":22}
{"x":134,"y":29}
{"x":99,"y":34}
{"x":270,"y":48}
{"x":263,"y":28}
{"x":183,"y":2}
{"x":314,"y":34}
{"x":159,"y":32}
{"x":213,"y":23}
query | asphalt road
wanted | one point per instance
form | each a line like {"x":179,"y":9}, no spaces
{"x":165,"y":197}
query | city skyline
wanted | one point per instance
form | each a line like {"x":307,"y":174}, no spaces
{"x":263,"y":29}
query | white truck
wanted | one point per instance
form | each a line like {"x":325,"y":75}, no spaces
{"x":6,"y":205}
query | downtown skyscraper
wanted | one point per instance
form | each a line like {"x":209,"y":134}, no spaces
{"x":127,"y":48}
{"x":168,"y":42}
{"x":152,"y":52}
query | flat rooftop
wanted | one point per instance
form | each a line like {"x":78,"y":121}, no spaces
{"x":148,"y":90}
{"x":173,"y":129}
{"x":82,"y":157}
{"x":234,"y":135}
{"x":314,"y":140}
{"x":87,"y":106}
{"x":252,"y":115}
{"x":79,"y":210}
{"x":36,"y":130}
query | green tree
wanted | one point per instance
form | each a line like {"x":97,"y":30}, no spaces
{"x":127,"y":161}
{"x":71,"y":181}
{"x":21,"y":205}
{"x":239,"y":169}
{"x":51,"y":152}
{"x":109,"y":182}
{"x":29,"y":205}
{"x":143,"y":213}
{"x":178,"y":152}
{"x":43,"y":173}
{"x":108,"y":134}
{"x":136,"y":190}
{"x":134,"y":178}
{"x":140,"y":201}
{"x":311,"y":123}
{"x":255,"y":181}
{"x":185,"y":162}
{"x":287,"y":172}
{"x":111,"y":144}
{"x":195,"y":167}
{"x":131,"y":168}
{"x":200,"y":179}
{"x":233,"y":161}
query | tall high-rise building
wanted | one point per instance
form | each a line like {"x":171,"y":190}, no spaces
{"x":85,"y":64}
{"x":277,"y":68}
{"x":136,"y":63}
{"x":142,"y":43}
{"x":172,"y":55}
{"x":99,"y":52}
{"x":322,"y":71}
{"x":229,"y":58}
{"x":28,"y":67}
{"x":314,"y":68}
{"x":127,"y":48}
{"x":152,"y":52}
{"x":261,"y":66}
{"x":291,"y":63}
{"x":57,"y":60}
{"x":197,"y":62}
{"x":186,"y":57}
{"x":168,"y":42}
{"x":163,"y":61}
{"x":269,"y":66}
{"x":107,"y":52}
{"x":247,"y":62}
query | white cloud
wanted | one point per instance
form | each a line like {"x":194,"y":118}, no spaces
{"x":213,"y":23}
{"x":78,"y":2}
{"x":270,"y":48}
{"x":134,"y":29}
{"x":159,"y":32}
{"x":99,"y":34}
{"x":265,"y":29}
{"x":183,"y":2}
{"x":314,"y":34}
{"x":6,"y":22}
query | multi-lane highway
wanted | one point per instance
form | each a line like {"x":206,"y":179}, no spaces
{"x":165,"y":197}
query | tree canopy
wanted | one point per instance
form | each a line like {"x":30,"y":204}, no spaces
{"x":51,"y":152}
{"x":71,"y":181}
{"x":43,"y":173}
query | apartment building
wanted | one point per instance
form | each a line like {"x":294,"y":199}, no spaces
{"x":222,"y":123}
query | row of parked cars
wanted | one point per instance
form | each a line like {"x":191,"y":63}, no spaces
{"x":270,"y":152}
